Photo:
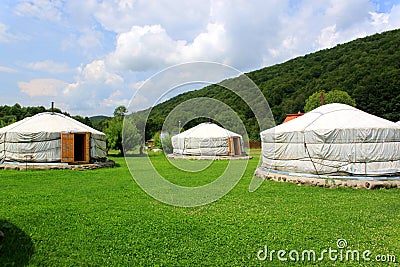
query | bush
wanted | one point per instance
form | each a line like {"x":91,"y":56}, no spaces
{"x":163,"y":142}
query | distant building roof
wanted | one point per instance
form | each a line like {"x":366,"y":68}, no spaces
{"x":290,"y":117}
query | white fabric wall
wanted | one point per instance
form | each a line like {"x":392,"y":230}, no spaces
{"x":200,"y":146}
{"x":45,"y":147}
{"x":98,"y":148}
{"x":204,"y":139}
{"x":40,"y":136}
{"x":346,"y":141}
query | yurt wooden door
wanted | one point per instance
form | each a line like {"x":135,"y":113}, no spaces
{"x":235,"y":149}
{"x":75,"y":147}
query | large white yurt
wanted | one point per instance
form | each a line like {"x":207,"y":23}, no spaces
{"x":208,"y":139}
{"x":51,"y":137}
{"x":334,"y":139}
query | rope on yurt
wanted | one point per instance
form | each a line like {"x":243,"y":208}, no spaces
{"x":4,"y":149}
{"x":308,"y":153}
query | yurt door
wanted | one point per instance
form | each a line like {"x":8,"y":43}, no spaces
{"x":75,"y":147}
{"x":236,"y":146}
{"x":67,"y":147}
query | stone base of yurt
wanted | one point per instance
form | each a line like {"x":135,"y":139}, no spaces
{"x":329,"y":181}
{"x":203,"y":157}
{"x":56,"y":166}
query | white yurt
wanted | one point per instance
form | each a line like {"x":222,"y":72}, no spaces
{"x":208,"y":139}
{"x":51,"y":137}
{"x":398,"y":122}
{"x":334,"y":139}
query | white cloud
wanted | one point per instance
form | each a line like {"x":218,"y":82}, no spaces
{"x":48,"y":66}
{"x":313,"y":25}
{"x":93,"y":86}
{"x":346,"y":13}
{"x":183,"y":18}
{"x":42,"y":9}
{"x":394,"y":18}
{"x":115,"y":99}
{"x":7,"y":69}
{"x":143,"y":48}
{"x":96,"y":72}
{"x":386,"y":21}
{"x":328,"y":37}
{"x":90,"y":39}
{"x":5,"y":35}
{"x":87,"y":39}
{"x":41,"y":87}
{"x":150,"y":47}
{"x":379,"y":19}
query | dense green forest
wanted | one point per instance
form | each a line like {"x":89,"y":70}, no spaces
{"x":368,"y":69}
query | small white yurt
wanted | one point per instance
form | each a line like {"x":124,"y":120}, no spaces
{"x":51,"y":137}
{"x":334,"y":139}
{"x":208,"y":139}
{"x":398,"y":122}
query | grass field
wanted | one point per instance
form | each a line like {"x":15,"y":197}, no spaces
{"x":103,"y":218}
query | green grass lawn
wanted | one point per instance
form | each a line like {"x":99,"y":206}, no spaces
{"x":103,"y":218}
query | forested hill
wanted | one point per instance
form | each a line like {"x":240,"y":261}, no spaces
{"x":367,"y":68}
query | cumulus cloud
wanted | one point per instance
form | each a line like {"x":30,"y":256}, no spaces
{"x":93,"y":86}
{"x":42,"y":87}
{"x":48,"y":66}
{"x":150,"y":47}
{"x":96,"y":72}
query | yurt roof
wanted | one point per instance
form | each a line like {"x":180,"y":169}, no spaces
{"x":333,"y":116}
{"x":206,"y":130}
{"x":48,"y":122}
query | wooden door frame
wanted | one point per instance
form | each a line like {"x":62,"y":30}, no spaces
{"x":68,"y":149}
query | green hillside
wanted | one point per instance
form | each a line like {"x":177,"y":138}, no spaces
{"x":98,"y":119}
{"x":367,"y":68}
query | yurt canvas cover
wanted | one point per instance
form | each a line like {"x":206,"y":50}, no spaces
{"x":51,"y":137}
{"x":334,"y":138}
{"x":207,"y":139}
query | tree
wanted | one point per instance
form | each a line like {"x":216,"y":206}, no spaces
{"x":335,"y":96}
{"x":113,"y":133}
{"x":131,"y":136}
{"x":85,"y":120}
{"x":163,"y":141}
{"x":120,"y":111}
{"x":124,"y":133}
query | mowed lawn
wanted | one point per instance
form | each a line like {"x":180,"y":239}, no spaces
{"x":103,"y":218}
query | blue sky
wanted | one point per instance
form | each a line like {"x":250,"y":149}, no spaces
{"x":91,"y":56}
